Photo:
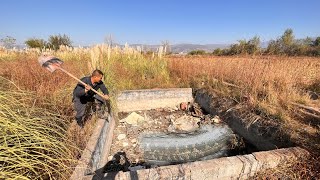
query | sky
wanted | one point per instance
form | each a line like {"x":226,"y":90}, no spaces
{"x":89,"y":22}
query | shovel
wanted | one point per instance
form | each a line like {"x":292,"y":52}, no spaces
{"x":52,"y":63}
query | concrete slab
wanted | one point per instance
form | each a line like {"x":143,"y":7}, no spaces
{"x":95,"y":150}
{"x":135,"y":100}
{"x":236,"y":167}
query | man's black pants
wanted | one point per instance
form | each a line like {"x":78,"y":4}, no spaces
{"x":81,"y":104}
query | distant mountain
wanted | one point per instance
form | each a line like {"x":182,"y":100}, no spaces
{"x":146,"y":47}
{"x":183,"y":48}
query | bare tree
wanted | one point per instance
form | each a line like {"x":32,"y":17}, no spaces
{"x":166,"y":47}
{"x":8,"y":42}
{"x":110,"y":40}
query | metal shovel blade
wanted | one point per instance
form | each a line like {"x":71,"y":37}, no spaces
{"x":50,"y":62}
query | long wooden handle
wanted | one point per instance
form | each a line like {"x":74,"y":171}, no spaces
{"x":82,"y":82}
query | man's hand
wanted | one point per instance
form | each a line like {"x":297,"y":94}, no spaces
{"x":87,"y":88}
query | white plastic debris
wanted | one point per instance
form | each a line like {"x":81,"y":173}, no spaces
{"x":216,"y":119}
{"x":133,"y":119}
{"x":121,"y":136}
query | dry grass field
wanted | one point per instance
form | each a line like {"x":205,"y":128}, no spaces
{"x":281,"y":91}
{"x":36,"y":112}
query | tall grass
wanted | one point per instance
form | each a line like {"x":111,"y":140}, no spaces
{"x":50,"y":99}
{"x":272,"y":80}
{"x":127,"y":68}
{"x":267,"y":84}
{"x":124,"y":68}
{"x":33,"y":140}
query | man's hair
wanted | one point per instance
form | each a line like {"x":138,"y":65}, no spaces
{"x":97,"y":72}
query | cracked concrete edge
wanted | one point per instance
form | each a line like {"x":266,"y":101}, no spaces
{"x":85,"y":164}
{"x":236,"y":167}
{"x":135,"y":100}
{"x":238,"y":125}
{"x":108,"y":143}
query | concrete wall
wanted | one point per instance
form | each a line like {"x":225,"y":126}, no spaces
{"x":236,"y":167}
{"x":254,"y":133}
{"x":135,"y":100}
{"x":97,"y":147}
{"x":95,"y":155}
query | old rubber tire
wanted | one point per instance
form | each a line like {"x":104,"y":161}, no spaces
{"x":163,"y":149}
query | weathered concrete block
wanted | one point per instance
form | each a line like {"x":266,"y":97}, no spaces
{"x":135,"y":100}
{"x":250,"y":165}
{"x":236,"y":167}
{"x":95,"y":149}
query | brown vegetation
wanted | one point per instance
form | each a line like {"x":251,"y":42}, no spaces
{"x":269,"y":86}
{"x":279,"y":90}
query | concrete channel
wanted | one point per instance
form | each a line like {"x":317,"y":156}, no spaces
{"x":96,"y":153}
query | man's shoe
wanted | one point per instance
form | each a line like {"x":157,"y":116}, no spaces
{"x":80,"y":123}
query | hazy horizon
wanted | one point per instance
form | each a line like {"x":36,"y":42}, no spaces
{"x":148,"y":22}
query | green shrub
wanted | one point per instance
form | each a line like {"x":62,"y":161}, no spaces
{"x":55,"y":41}
{"x":197,"y":52}
{"x":36,"y":43}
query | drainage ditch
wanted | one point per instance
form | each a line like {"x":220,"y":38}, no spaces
{"x":167,"y":136}
{"x":156,"y":138}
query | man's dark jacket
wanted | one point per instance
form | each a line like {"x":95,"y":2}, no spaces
{"x":79,"y":92}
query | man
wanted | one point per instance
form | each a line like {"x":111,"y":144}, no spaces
{"x":83,"y":95}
